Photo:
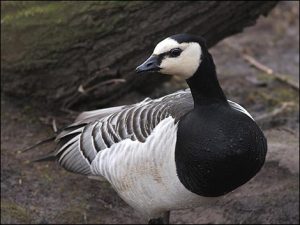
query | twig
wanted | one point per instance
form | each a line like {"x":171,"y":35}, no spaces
{"x":257,"y":64}
{"x":286,"y":129}
{"x":54,"y":127}
{"x":111,"y":81}
{"x":252,"y":61}
{"x":269,"y":71}
{"x":107,"y":205}
{"x":284,"y":106}
{"x":84,"y":217}
{"x":69,"y":111}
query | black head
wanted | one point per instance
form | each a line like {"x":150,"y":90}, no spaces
{"x":181,"y":38}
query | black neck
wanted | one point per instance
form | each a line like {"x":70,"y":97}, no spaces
{"x":204,"y":84}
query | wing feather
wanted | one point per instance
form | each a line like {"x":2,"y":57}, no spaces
{"x":97,"y":137}
{"x":239,"y":108}
{"x":136,"y":127}
{"x":92,"y":132}
{"x":105,"y":135}
{"x":87,"y":143}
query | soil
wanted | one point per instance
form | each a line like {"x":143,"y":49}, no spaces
{"x":46,"y":193}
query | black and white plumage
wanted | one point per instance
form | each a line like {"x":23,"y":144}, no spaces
{"x":174,"y":152}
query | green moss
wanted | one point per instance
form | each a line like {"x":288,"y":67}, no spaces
{"x":280,"y":93}
{"x":263,"y":77}
{"x":21,"y":17}
{"x":35,"y":32}
{"x":12,"y":212}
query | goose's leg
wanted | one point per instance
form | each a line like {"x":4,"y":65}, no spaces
{"x":161,"y":220}
{"x":166,"y":217}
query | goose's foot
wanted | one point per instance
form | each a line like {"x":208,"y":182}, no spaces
{"x":161,"y":220}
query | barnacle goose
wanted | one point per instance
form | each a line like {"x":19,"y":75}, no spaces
{"x":175,"y":152}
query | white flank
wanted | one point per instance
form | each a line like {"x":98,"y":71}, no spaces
{"x":144,"y":174}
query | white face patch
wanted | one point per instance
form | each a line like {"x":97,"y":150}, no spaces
{"x":184,"y":65}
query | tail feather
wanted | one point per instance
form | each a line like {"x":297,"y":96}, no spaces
{"x":68,"y":151}
{"x":39,"y":143}
{"x":48,"y":157}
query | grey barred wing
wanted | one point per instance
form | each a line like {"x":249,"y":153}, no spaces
{"x":97,"y":130}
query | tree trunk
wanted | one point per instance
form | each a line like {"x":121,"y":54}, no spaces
{"x":70,"y":54}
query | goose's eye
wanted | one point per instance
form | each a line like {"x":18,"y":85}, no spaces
{"x":175,"y":52}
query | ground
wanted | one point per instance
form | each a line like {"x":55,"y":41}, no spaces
{"x":45,"y":193}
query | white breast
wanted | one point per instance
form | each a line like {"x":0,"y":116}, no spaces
{"x":144,"y":174}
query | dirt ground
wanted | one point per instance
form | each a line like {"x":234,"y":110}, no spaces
{"x":45,"y":193}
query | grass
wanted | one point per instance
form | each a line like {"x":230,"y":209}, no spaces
{"x":12,"y":212}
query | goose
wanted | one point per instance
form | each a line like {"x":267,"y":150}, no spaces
{"x":179,"y":151}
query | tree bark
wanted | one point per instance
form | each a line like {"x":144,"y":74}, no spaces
{"x":82,"y":54}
